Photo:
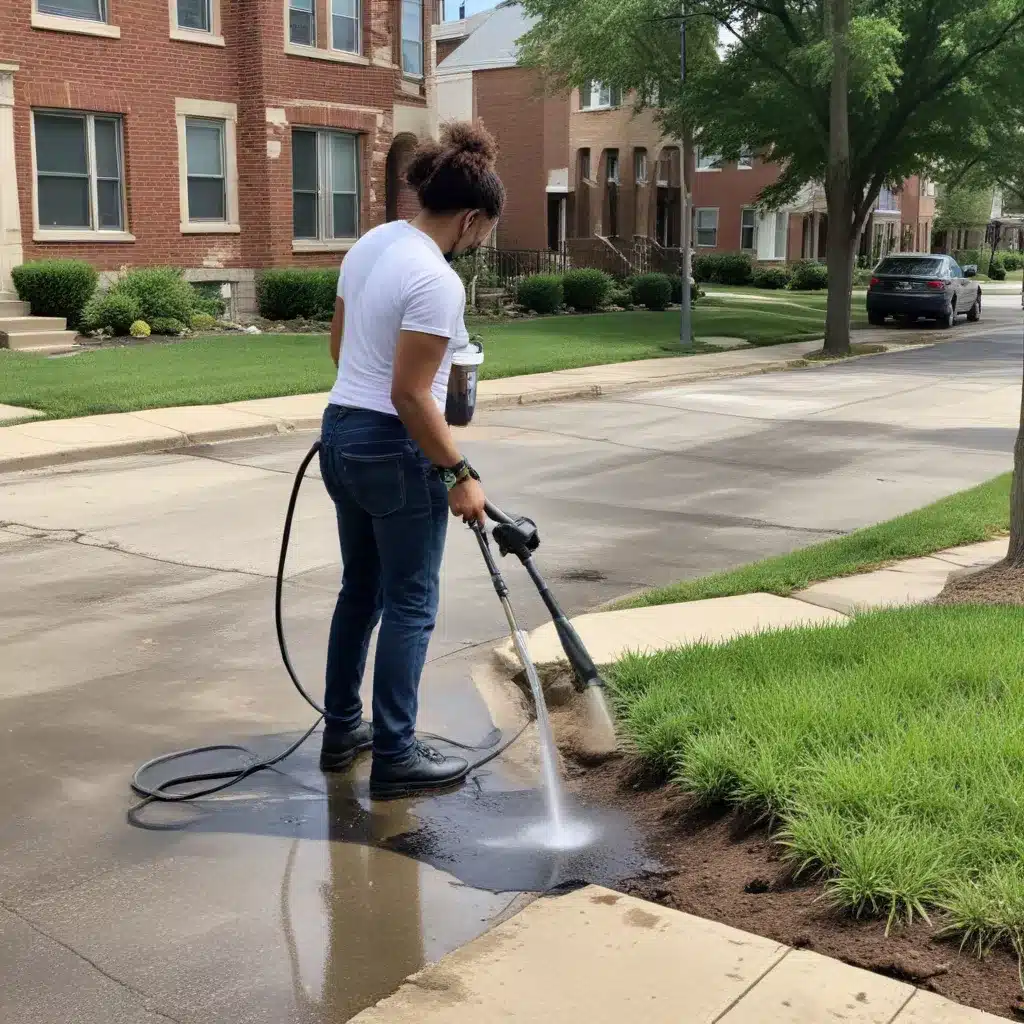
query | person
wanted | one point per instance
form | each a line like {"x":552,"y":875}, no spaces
{"x":389,"y":461}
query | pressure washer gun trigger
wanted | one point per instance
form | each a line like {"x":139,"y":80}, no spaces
{"x":517,"y":537}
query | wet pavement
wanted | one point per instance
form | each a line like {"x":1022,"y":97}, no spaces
{"x":136,"y":618}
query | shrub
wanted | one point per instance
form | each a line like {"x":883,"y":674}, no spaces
{"x":293,"y":293}
{"x":621,"y":295}
{"x":168,"y":325}
{"x":653,"y":291}
{"x":808,"y":276}
{"x":202,"y":322}
{"x":730,"y":268}
{"x":162,"y":292}
{"x":541,"y":293}
{"x":1012,"y":259}
{"x":586,"y":290}
{"x":996,"y":270}
{"x":111,"y":311}
{"x":968,"y":257}
{"x":139,"y":329}
{"x":208,"y":299}
{"x":772,"y":278}
{"x":56,"y":287}
{"x":862,"y":276}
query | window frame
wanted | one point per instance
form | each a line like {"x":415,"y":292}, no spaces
{"x":73,"y":23}
{"x":314,"y":28}
{"x":584,"y":159}
{"x":186,"y":110}
{"x":358,"y":51}
{"x":55,"y":233}
{"x":221,"y":125}
{"x":420,"y":75}
{"x":745,"y":161}
{"x":611,"y":163}
{"x":101,"y":5}
{"x":325,"y":192}
{"x":213,"y":36}
{"x":752,"y":228}
{"x":595,"y":86}
{"x":641,"y":170}
{"x":702,"y":156}
{"x":697,"y":229}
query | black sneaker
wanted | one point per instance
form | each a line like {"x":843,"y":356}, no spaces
{"x":341,"y":748}
{"x":424,"y":768}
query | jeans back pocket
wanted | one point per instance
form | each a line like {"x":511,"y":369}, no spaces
{"x":376,"y":483}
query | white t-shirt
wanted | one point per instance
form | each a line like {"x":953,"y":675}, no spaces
{"x":395,"y":278}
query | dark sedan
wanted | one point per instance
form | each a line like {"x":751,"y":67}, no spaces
{"x":912,"y":285}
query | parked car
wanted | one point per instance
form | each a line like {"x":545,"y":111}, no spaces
{"x":912,"y":285}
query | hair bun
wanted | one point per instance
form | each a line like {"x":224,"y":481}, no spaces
{"x":473,"y":139}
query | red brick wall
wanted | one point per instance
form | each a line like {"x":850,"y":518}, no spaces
{"x":729,"y":190}
{"x":141,"y":74}
{"x":446,"y":47}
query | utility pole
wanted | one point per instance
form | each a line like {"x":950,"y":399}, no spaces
{"x":685,"y":317}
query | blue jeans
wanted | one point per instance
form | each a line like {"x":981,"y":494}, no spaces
{"x":392,"y":519}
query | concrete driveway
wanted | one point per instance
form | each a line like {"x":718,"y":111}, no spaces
{"x":136,"y":618}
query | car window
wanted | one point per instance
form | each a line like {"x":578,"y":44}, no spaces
{"x":954,"y":269}
{"x":914,"y":266}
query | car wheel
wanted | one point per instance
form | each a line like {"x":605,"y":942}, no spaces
{"x":950,"y":318}
{"x":876,"y":319}
{"x":974,"y":313}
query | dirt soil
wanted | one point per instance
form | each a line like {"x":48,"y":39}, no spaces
{"x":725,"y":867}
{"x":999,"y":584}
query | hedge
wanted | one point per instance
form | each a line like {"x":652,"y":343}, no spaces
{"x":808,"y":276}
{"x":541,"y":293}
{"x":56,"y":287}
{"x":652,"y":290}
{"x":586,"y":290}
{"x":729,"y":268}
{"x":294,"y":293}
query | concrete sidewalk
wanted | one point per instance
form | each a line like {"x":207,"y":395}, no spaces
{"x":38,"y":443}
{"x":598,"y":957}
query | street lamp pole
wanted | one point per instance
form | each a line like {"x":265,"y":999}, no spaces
{"x":685,"y":318}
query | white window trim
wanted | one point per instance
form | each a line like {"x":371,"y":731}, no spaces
{"x":214,"y":111}
{"x":706,"y":170}
{"x":696,"y":228}
{"x":641,"y":179}
{"x":745,"y":161}
{"x":359,"y":31}
{"x":753,"y":246}
{"x":76,"y":26}
{"x":424,"y":37}
{"x":193,"y":35}
{"x":331,"y":244}
{"x":300,"y":48}
{"x":40,"y":234}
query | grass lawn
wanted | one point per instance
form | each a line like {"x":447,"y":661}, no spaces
{"x":887,"y":752}
{"x":234,"y":368}
{"x":973,"y":515}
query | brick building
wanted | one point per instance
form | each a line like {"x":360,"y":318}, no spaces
{"x":222,"y":136}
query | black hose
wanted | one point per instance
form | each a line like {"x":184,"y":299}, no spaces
{"x":232,"y":776}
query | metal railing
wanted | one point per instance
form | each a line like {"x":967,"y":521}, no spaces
{"x":506,"y":266}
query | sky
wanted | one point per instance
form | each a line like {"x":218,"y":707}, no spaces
{"x":472,"y":7}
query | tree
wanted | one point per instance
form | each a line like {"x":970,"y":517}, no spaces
{"x":851,"y":94}
{"x":963,"y":207}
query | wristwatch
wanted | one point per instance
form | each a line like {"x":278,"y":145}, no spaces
{"x":452,"y":476}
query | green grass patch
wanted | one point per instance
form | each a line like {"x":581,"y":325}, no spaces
{"x":234,"y":368}
{"x":978,"y":514}
{"x":888,"y":754}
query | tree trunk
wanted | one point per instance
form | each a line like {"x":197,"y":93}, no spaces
{"x":841,"y":220}
{"x":1015,"y":555}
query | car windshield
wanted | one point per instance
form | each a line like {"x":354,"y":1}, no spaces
{"x":913,"y":266}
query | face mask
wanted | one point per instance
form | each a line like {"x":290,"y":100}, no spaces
{"x":450,"y":255}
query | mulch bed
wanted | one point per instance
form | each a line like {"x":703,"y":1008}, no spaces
{"x":999,"y":584}
{"x":724,"y":867}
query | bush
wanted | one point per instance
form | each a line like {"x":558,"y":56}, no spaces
{"x":56,"y":287}
{"x":862,"y":277}
{"x":772,"y":278}
{"x":1012,"y":259}
{"x":202,"y":322}
{"x":111,"y":311}
{"x":996,"y":270}
{"x":621,"y":295}
{"x":208,"y":299}
{"x":139,"y":329}
{"x":541,"y":293}
{"x":168,"y":325}
{"x":968,"y":257}
{"x":653,"y":291}
{"x":730,"y":268}
{"x":808,"y":276}
{"x":162,"y":293}
{"x":586,"y":290}
{"x":293,"y":293}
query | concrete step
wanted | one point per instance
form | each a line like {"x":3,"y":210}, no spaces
{"x":27,"y":324}
{"x":13,"y":307}
{"x":42,"y":342}
{"x":8,"y":296}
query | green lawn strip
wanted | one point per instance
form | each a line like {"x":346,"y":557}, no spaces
{"x":967,"y":517}
{"x":232,"y":368}
{"x":887,"y":752}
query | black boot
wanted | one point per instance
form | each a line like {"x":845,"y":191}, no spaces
{"x":423,"y":768}
{"x":341,"y":747}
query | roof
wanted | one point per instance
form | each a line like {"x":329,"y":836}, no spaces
{"x":493,"y":44}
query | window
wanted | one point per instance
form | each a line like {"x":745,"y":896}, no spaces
{"x":612,"y":165}
{"x":746,"y":160}
{"x":708,"y":161}
{"x":195,"y":15}
{"x":584,"y":163}
{"x":302,"y":22}
{"x":79,"y":180}
{"x":412,"y":37}
{"x":887,"y":200}
{"x":207,"y":179}
{"x":748,"y":229}
{"x":707,"y":228}
{"x":640,"y":166}
{"x":597,"y":96}
{"x":325,"y":185}
{"x":87,"y":10}
{"x":781,"y":234}
{"x":345,"y":27}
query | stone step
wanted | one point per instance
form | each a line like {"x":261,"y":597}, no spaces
{"x":28,"y":324}
{"x":42,"y":342}
{"x":13,"y":307}
{"x":8,"y":296}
